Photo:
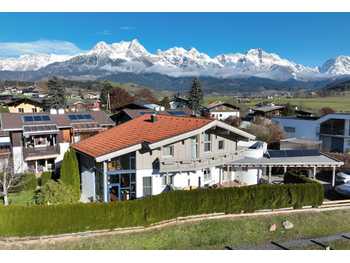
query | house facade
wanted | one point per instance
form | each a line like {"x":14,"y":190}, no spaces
{"x":222,"y":111}
{"x":25,"y":105}
{"x":38,"y":141}
{"x":333,"y":130}
{"x":152,"y":154}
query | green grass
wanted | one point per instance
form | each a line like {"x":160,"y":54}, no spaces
{"x":213,"y":234}
{"x":340,"y":103}
{"x":21,"y":198}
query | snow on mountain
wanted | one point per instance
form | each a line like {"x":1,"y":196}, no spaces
{"x":131,"y":56}
{"x":30,"y":62}
{"x":336,"y":66}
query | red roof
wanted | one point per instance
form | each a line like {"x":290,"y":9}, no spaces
{"x":138,"y":130}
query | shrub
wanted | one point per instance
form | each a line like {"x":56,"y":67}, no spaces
{"x":44,"y":178}
{"x":56,"y":193}
{"x":69,"y":172}
{"x":65,"y":218}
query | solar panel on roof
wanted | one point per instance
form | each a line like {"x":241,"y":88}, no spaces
{"x":36,"y":118}
{"x":293,"y":153}
{"x":80,"y":117}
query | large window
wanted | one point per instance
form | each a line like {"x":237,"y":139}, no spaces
{"x":333,"y":127}
{"x":168,"y":151}
{"x":122,"y":186}
{"x":289,"y":129}
{"x":207,"y":142}
{"x":124,"y":162}
{"x":194,"y":147}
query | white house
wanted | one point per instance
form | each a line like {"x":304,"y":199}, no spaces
{"x":332,"y":129}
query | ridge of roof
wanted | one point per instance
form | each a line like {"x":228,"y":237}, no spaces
{"x":139,"y":130}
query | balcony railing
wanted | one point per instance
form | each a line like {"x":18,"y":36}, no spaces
{"x":41,"y":151}
{"x":172,"y":165}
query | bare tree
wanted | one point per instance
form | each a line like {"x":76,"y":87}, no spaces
{"x":9,"y":180}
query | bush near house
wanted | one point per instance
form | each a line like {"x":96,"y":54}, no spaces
{"x":67,"y":218}
{"x":69,"y":172}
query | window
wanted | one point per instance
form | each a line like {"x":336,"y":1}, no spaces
{"x":207,"y":142}
{"x":34,"y":110}
{"x":168,"y":150}
{"x":194,"y":147}
{"x":21,"y":110}
{"x":221,"y":145}
{"x":289,"y":129}
{"x":167,"y":179}
{"x":147,"y":186}
{"x":207,"y":175}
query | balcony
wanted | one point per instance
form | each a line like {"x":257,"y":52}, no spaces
{"x":171,"y":165}
{"x":41,"y":152}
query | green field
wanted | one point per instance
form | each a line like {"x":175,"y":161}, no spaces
{"x":314,"y":104}
{"x":214,"y":234}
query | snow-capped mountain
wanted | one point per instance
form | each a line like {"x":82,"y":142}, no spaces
{"x":131,"y":57}
{"x":30,"y":62}
{"x":336,"y":66}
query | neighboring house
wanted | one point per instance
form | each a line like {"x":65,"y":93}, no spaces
{"x":182,"y":103}
{"x":154,"y":153}
{"x":332,"y":129}
{"x":222,"y":111}
{"x":129,"y":114}
{"x":78,"y":105}
{"x":39,"y":140}
{"x":25,"y":105}
{"x":267,"y":111}
{"x":139,"y":105}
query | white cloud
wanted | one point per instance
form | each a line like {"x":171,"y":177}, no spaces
{"x":127,"y":28}
{"x":58,"y":47}
{"x":105,"y":32}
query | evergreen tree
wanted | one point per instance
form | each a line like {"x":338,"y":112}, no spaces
{"x":196,"y":96}
{"x":56,"y":94}
{"x":106,"y":89}
{"x":69,"y":173}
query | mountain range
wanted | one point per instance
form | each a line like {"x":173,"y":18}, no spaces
{"x":130,"y":61}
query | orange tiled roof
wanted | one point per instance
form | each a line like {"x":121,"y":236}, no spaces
{"x":138,"y":130}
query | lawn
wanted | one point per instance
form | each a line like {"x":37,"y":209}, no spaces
{"x":337,"y":103}
{"x":214,"y":234}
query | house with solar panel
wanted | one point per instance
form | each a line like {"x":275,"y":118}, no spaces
{"x":38,"y":141}
{"x":156,"y":153}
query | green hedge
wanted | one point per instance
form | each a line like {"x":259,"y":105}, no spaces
{"x":55,"y":219}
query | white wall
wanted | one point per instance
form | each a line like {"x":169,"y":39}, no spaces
{"x":87,"y":185}
{"x":304,"y":129}
{"x":18,"y":162}
{"x":223,"y":115}
{"x":63,"y":148}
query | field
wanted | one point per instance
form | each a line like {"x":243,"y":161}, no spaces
{"x":314,"y":104}
{"x":215,"y":234}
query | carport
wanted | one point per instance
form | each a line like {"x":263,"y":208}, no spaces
{"x":310,"y":159}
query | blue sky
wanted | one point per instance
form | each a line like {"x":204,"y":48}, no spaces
{"x":307,"y":38}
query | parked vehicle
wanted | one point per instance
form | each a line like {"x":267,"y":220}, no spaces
{"x":343,"y":189}
{"x":343,"y":177}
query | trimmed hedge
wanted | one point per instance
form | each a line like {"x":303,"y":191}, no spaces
{"x":55,"y":219}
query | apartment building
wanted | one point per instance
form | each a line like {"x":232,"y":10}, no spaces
{"x":38,"y":141}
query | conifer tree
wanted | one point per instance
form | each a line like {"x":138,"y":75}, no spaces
{"x":196,"y":96}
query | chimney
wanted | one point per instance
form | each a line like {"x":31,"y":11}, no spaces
{"x":153,"y":117}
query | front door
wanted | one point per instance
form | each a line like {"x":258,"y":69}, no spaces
{"x":114,"y":192}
